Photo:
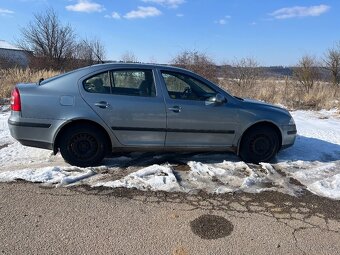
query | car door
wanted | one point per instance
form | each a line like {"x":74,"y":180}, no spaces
{"x":130,"y":104}
{"x":193,"y":120}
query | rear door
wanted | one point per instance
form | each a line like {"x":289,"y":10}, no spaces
{"x":130,"y":104}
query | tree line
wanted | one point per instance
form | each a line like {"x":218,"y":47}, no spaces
{"x":53,"y":45}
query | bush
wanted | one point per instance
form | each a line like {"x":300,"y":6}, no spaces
{"x":197,"y":62}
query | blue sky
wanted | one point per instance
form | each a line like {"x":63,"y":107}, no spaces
{"x":275,"y":32}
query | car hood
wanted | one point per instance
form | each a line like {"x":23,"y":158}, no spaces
{"x":256,"y":104}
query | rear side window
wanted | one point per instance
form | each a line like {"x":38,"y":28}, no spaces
{"x":122,"y":82}
{"x":133,"y":83}
{"x":99,"y":83}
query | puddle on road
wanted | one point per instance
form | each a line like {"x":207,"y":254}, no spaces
{"x":211,"y":227}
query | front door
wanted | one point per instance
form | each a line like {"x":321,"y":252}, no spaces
{"x":193,"y":120}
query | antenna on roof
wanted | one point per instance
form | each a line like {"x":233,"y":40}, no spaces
{"x":95,"y":53}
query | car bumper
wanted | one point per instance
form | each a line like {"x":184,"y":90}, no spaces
{"x":34,"y":133}
{"x":289,"y":133}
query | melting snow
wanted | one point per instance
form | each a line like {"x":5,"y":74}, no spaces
{"x":314,"y":161}
{"x":50,"y":175}
{"x":153,"y":178}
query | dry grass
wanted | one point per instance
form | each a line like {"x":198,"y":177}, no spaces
{"x":287,"y":92}
{"x":12,"y":76}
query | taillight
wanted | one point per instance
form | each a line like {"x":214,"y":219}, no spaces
{"x":15,"y":100}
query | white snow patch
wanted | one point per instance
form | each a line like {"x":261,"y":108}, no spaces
{"x":329,"y":187}
{"x":49,"y":175}
{"x":318,"y":137}
{"x":153,"y":178}
{"x":236,"y":176}
{"x":322,"y":179}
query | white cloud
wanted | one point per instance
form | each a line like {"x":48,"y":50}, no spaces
{"x":167,"y":3}
{"x":5,"y":12}
{"x":300,"y":11}
{"x":224,"y":20}
{"x":85,"y":6}
{"x":143,"y":12}
{"x":114,"y":15}
{"x":180,"y":15}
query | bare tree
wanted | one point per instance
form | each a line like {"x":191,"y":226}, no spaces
{"x":332,"y":63}
{"x":89,"y":52}
{"x":48,"y":39}
{"x":245,"y":72}
{"x":306,"y":72}
{"x":129,"y":57}
{"x":197,"y":62}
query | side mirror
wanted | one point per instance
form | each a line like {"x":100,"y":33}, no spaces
{"x":218,"y":99}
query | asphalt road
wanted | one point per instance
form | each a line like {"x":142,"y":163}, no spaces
{"x":38,"y":220}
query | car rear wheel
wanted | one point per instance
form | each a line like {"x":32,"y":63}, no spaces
{"x":259,"y":144}
{"x":83,"y":146}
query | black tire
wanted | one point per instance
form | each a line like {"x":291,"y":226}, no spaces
{"x":259,"y":144}
{"x":83,"y":146}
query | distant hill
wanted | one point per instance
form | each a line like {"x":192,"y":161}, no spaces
{"x":271,"y":71}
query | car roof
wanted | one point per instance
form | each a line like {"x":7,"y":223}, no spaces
{"x":136,"y":65}
{"x":84,"y":71}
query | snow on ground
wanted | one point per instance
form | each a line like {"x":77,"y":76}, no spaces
{"x":154,"y":178}
{"x":314,"y":161}
{"x":53,"y":175}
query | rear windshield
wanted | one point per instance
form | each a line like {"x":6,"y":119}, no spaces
{"x":57,"y":77}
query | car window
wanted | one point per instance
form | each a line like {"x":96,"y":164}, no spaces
{"x":133,"y":83}
{"x":181,"y":86}
{"x":99,"y":83}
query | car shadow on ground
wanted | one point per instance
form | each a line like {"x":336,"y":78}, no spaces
{"x":310,"y":149}
{"x":125,"y":160}
{"x":304,"y":149}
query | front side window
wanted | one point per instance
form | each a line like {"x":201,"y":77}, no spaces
{"x":133,"y":83}
{"x":181,"y":86}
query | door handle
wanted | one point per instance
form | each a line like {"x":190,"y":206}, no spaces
{"x":102,"y":104}
{"x":175,"y":108}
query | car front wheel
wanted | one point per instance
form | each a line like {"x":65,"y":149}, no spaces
{"x":259,"y":144}
{"x":83,"y":146}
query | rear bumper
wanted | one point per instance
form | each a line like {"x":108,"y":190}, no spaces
{"x":33,"y":133}
{"x":37,"y":144}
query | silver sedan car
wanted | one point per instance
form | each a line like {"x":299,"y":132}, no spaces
{"x":88,"y":113}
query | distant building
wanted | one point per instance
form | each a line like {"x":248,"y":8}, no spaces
{"x":12,"y":55}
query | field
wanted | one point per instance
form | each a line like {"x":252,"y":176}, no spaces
{"x":288,"y":93}
{"x":12,"y":76}
{"x":284,"y":92}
